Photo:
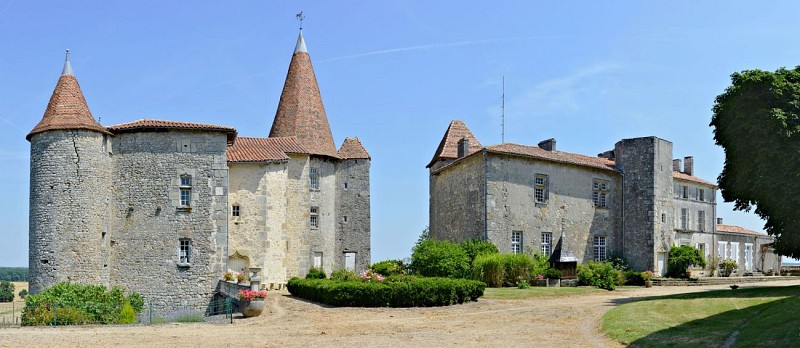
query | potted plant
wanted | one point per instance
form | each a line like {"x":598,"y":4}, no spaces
{"x":240,"y":277}
{"x":727,"y":266}
{"x":228,"y":276}
{"x":252,"y":302}
{"x":647,"y":276}
{"x":553,"y":277}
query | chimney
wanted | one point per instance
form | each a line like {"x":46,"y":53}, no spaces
{"x":549,"y":144}
{"x":688,"y":165}
{"x":607,"y":155}
{"x":719,"y":221}
{"x":676,"y":165}
{"x":463,"y":147}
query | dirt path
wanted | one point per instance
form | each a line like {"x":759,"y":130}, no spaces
{"x":548,"y":322}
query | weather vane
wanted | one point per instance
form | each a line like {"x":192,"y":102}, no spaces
{"x":300,"y":17}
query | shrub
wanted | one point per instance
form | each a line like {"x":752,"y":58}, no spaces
{"x":552,"y":273}
{"x":316,"y":273}
{"x":618,"y":262}
{"x":127,"y":315}
{"x":728,"y":266}
{"x":599,"y":274}
{"x":73,"y":303}
{"x":6,"y":291}
{"x":23,"y":293}
{"x":475,"y":247}
{"x":389,"y":267}
{"x":679,"y":259}
{"x":414,"y":292}
{"x":490,"y":269}
{"x":633,"y":278}
{"x":344,"y":275}
{"x":541,"y":262}
{"x":433,"y":258}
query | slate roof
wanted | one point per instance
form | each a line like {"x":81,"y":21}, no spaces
{"x":67,"y":108}
{"x":263,"y":150}
{"x":737,"y":229}
{"x":300,"y":111}
{"x":687,"y":177}
{"x":353,"y":149}
{"x":145,"y":124}
{"x":448,"y":147}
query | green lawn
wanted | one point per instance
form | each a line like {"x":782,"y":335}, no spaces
{"x":536,"y":291}
{"x":763,"y":317}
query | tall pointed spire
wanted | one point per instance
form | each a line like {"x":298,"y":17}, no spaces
{"x":67,"y":108}
{"x":300,"y":111}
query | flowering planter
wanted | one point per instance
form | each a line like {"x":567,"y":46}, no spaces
{"x":648,"y":283}
{"x":252,"y":308}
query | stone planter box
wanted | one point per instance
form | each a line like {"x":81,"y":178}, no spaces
{"x":539,"y":282}
{"x":252,"y":308}
{"x":553,"y":283}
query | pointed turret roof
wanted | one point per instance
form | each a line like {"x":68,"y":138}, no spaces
{"x":300,"y":111}
{"x":352,"y":149}
{"x":67,"y":108}
{"x":448,"y":147}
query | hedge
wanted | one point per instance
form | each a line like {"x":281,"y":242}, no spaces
{"x":413,"y":292}
{"x":75,"y":304}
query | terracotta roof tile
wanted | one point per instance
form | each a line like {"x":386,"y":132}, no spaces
{"x":448,"y":147}
{"x":737,"y":229}
{"x":145,"y":124}
{"x":555,"y":156}
{"x":300,"y":111}
{"x":352,"y":148}
{"x":67,"y":109}
{"x":687,"y":177}
{"x":260,"y":150}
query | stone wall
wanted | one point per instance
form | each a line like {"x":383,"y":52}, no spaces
{"x":296,"y":226}
{"x":149,"y":221}
{"x":457,"y":201}
{"x":568,"y":209}
{"x":69,"y":208}
{"x":322,"y":239}
{"x":353,"y":213}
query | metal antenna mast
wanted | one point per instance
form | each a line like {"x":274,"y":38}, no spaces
{"x":503,"y":113}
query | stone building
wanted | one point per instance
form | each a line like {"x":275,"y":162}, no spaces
{"x":634,"y":201}
{"x":164,"y":207}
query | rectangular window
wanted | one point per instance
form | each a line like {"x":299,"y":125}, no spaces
{"x":344,"y":218}
{"x":318,"y":259}
{"x":185,"y":250}
{"x":599,"y":248}
{"x":735,"y":251}
{"x":186,"y":190}
{"x":599,"y":193}
{"x":313,"y":174}
{"x":314,"y":217}
{"x":685,"y":193}
{"x":547,"y":242}
{"x":516,"y":242}
{"x":722,"y":250}
{"x":235,"y":210}
{"x":701,"y":194}
{"x":663,"y":218}
{"x":684,"y":219}
{"x":701,"y":221}
{"x":540,"y":184}
{"x":702,"y":248}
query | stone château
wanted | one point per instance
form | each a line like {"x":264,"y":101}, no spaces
{"x":634,"y":201}
{"x":163,"y":208}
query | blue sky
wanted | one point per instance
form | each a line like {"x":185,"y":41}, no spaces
{"x":394,"y":74}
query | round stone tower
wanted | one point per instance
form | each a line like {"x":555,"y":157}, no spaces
{"x":70,"y":191}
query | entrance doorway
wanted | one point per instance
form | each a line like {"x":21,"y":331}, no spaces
{"x":661,"y":265}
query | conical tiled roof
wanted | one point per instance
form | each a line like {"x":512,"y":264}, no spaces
{"x":300,"y":111}
{"x":67,"y":108}
{"x":352,"y":149}
{"x":448,"y":147}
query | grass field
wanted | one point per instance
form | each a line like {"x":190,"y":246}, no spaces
{"x":536,"y":291}
{"x":9,"y":310}
{"x":756,"y":317}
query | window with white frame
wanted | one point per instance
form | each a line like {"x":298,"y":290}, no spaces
{"x":547,"y":243}
{"x":599,"y":192}
{"x":734,"y":251}
{"x":540,"y":183}
{"x":701,"y":220}
{"x":313,"y":175}
{"x":314,"y":220}
{"x":516,"y":242}
{"x":722,"y":250}
{"x":185,"y":250}
{"x":235,"y":210}
{"x":599,"y":248}
{"x":186,"y":190}
{"x":684,"y":218}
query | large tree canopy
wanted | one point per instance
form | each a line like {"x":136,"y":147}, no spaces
{"x":757,"y":122}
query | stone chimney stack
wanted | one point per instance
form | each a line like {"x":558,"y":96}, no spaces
{"x":719,"y":221}
{"x":463,"y":147}
{"x":549,"y":144}
{"x":676,"y":165}
{"x":688,"y":165}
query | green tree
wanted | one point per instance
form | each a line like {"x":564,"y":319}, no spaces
{"x":425,"y":235}
{"x":757,"y":123}
{"x":680,"y":257}
{"x":23,"y":293}
{"x":6,"y":291}
{"x":433,"y":258}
